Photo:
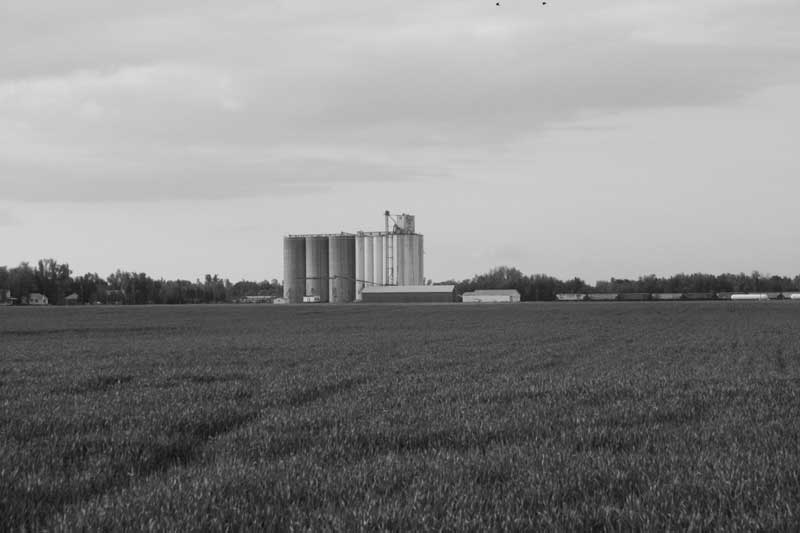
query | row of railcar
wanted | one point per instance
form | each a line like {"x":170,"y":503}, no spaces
{"x":674,"y":296}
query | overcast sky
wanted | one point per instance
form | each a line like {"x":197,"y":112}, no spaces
{"x":590,"y":138}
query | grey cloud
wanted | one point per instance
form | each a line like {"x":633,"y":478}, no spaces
{"x":138,"y":86}
{"x":131,"y":180}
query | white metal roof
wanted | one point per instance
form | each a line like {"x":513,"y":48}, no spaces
{"x":393,"y":289}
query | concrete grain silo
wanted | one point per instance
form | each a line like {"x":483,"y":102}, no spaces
{"x":294,"y":269}
{"x":369,"y":262}
{"x":342,"y":268}
{"x":317,"y":267}
{"x":377,"y":258}
{"x":360,"y":264}
{"x":408,"y":259}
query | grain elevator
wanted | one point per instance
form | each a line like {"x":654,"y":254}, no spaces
{"x":335,"y":268}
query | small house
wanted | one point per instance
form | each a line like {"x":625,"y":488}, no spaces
{"x":37,"y":298}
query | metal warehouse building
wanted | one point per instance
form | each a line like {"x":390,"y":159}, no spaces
{"x":409,"y":294}
{"x":491,"y":296}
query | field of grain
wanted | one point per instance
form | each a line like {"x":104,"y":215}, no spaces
{"x":641,"y":415}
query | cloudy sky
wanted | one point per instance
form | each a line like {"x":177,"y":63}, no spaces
{"x":590,"y":138}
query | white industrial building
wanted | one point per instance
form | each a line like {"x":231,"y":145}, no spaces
{"x":409,"y":294}
{"x":491,"y":296}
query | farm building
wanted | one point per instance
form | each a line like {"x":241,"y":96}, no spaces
{"x":667,"y":295}
{"x":570,"y":297}
{"x":409,"y":294}
{"x":72,"y":299}
{"x":602,"y":296}
{"x":36,"y":298}
{"x":491,"y":296}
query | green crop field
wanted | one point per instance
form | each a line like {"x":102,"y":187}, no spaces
{"x":534,"y":416}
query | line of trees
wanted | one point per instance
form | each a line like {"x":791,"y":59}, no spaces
{"x":543,"y":287}
{"x":56,"y":281}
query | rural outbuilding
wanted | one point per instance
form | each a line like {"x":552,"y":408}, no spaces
{"x":491,"y":296}
{"x":72,"y":299}
{"x":409,"y":294}
{"x":36,"y":298}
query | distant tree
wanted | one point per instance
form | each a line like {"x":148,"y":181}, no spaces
{"x":22,"y":281}
{"x":53,"y":279}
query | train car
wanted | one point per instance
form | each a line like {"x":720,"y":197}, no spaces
{"x":570,"y":297}
{"x":634,"y":296}
{"x":699,"y":295}
{"x":750,"y":297}
{"x":666,"y":296}
{"x":602,"y":296}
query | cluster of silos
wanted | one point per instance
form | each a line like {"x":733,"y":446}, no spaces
{"x":336,"y":267}
{"x":320,"y":266}
{"x":388,"y":259}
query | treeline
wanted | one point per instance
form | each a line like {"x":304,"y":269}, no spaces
{"x":56,"y":281}
{"x":543,"y":288}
